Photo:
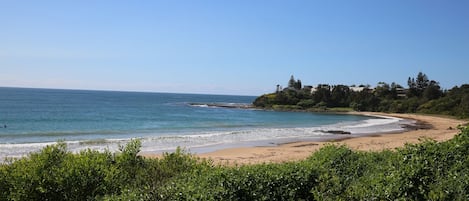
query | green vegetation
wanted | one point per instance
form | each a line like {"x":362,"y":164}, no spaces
{"x":421,"y":96}
{"x":425,"y":171}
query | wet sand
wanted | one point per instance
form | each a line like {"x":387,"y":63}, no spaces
{"x":433,"y":127}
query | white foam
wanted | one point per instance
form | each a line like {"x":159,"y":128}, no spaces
{"x":168,"y":142}
{"x":199,"y":105}
{"x":374,"y":122}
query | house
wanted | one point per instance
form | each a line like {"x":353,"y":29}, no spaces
{"x":357,"y":89}
{"x":401,"y":92}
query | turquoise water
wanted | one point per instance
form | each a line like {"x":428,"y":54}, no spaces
{"x":32,"y":118}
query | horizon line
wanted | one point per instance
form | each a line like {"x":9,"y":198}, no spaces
{"x":117,"y":90}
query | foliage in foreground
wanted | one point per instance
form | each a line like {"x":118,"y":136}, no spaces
{"x":425,"y":171}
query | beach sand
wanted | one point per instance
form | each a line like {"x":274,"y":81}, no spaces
{"x":432,"y":127}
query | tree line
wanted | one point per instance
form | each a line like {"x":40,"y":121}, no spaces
{"x":422,"y":95}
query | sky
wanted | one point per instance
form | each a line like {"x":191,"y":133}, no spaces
{"x":230,"y":47}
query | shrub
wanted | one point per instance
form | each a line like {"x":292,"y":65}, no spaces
{"x":426,"y":171}
{"x":307,"y":103}
{"x":289,"y":181}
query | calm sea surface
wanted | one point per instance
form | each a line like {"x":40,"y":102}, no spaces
{"x":32,"y":118}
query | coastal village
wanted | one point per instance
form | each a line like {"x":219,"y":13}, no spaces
{"x":296,"y":85}
{"x":422,"y":95}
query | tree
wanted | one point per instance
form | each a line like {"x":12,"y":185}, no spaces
{"x":298,"y":85}
{"x":322,"y":94}
{"x":292,"y":82}
{"x":432,"y":91}
{"x":418,"y":87}
{"x":382,"y":90}
{"x":422,"y":82}
{"x":340,"y":96}
{"x":393,"y":91}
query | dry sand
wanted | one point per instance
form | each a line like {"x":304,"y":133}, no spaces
{"x":437,"y":128}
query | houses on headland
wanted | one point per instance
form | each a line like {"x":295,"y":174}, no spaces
{"x":420,"y":95}
{"x":296,"y":86}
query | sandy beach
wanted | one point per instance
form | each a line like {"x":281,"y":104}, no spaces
{"x":433,"y":127}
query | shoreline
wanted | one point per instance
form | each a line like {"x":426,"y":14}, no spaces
{"x":431,"y":127}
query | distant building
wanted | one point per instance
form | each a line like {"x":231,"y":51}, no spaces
{"x":313,"y":90}
{"x":307,"y":87}
{"x":320,"y":86}
{"x":401,"y":92}
{"x":357,"y":89}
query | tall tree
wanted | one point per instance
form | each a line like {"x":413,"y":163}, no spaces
{"x":292,"y":82}
{"x":322,"y":94}
{"x":422,"y":82}
{"x":432,"y":91}
{"x":340,"y":96}
{"x":418,"y":87}
{"x":298,"y":85}
{"x":382,"y":90}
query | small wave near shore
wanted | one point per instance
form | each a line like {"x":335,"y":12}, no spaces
{"x":207,"y":141}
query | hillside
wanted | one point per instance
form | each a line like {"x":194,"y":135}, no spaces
{"x":421,"y":96}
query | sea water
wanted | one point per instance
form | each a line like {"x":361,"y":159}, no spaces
{"x":33,"y":118}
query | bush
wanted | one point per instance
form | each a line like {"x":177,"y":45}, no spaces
{"x":289,"y":181}
{"x":57,"y":174}
{"x":308,"y":103}
{"x":424,"y":171}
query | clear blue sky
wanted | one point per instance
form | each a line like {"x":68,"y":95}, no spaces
{"x":230,"y":47}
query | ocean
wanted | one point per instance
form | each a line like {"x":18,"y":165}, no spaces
{"x":33,"y":118}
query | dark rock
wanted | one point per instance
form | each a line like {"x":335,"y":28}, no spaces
{"x":223,"y":105}
{"x":339,"y":132}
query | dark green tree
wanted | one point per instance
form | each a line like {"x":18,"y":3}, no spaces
{"x":432,"y":91}
{"x":422,"y":81}
{"x":383,"y":90}
{"x":419,"y":85}
{"x":322,"y":93}
{"x":298,"y":85}
{"x":292,"y":82}
{"x":340,"y":96}
{"x":393,"y":91}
